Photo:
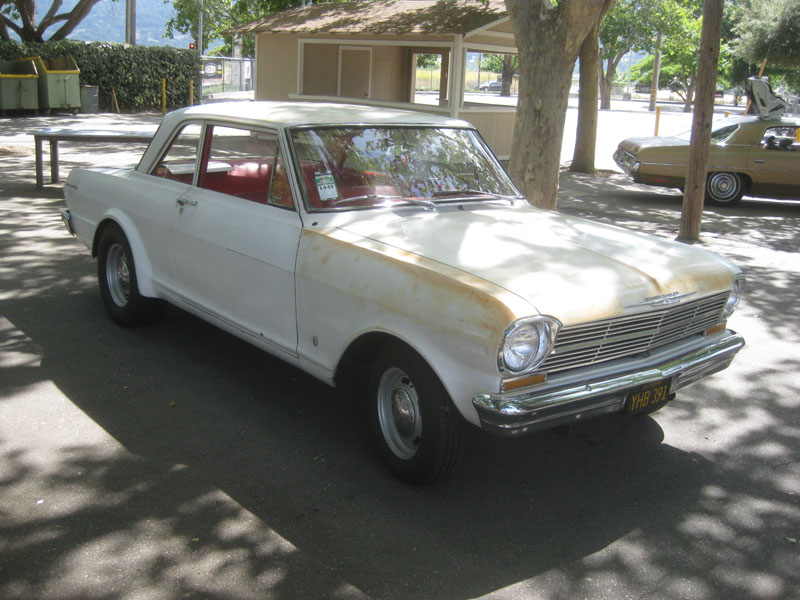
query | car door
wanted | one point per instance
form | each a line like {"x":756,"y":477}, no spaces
{"x":774,"y":166}
{"x":153,"y":212}
{"x":235,"y":237}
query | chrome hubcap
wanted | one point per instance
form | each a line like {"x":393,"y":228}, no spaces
{"x":723,"y":186}
{"x":398,"y":413}
{"x":118,"y":275}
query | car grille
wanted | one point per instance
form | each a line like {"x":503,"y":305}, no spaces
{"x":599,"y":341}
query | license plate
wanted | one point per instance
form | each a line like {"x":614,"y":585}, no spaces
{"x":648,"y":397}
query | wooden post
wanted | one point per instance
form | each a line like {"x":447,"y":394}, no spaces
{"x":658,"y":118}
{"x":191,"y":92}
{"x":163,"y":96}
{"x":114,"y":103}
{"x":695,"y":186}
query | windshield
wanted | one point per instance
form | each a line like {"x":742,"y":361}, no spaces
{"x":720,"y":132}
{"x":344,"y":168}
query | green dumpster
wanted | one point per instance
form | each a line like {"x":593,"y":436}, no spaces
{"x":59,"y":83}
{"x":18,"y":85}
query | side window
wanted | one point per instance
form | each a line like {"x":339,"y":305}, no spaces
{"x":279,"y":192}
{"x":240,"y":162}
{"x":180,"y":159}
{"x":779,"y":138}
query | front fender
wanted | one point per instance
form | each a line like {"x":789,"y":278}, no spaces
{"x":144,"y":269}
{"x":349,"y":287}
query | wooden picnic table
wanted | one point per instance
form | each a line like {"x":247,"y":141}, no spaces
{"x":55,"y":135}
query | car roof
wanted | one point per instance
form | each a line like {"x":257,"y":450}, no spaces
{"x":784,"y":121}
{"x":293,"y":114}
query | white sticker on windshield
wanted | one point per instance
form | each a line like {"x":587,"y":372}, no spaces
{"x":326,"y":186}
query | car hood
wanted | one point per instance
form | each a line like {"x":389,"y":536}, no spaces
{"x":634,"y":145}
{"x":570,"y":268}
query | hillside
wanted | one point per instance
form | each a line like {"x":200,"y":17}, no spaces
{"x":106,"y":23}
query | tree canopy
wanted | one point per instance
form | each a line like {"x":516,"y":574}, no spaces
{"x":20,"y":16}
{"x":220,"y":15}
{"x":768,"y":30}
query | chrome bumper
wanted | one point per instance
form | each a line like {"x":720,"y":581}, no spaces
{"x":627,"y":162}
{"x":512,"y":414}
{"x":67,"y":218}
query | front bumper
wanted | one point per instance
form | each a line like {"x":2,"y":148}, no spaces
{"x":627,"y":162}
{"x":531,"y":410}
{"x":66,"y":217}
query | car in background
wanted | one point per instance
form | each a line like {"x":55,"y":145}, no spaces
{"x":388,"y":253}
{"x":748,"y":156}
{"x":490,"y":86}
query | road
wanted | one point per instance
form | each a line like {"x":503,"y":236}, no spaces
{"x":174,"y":461}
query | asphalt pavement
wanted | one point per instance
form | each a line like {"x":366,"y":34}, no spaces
{"x":175,"y":461}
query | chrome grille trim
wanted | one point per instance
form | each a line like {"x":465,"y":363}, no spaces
{"x":599,"y":341}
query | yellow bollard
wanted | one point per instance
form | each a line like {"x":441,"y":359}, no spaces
{"x":658,"y":118}
{"x":163,"y":95}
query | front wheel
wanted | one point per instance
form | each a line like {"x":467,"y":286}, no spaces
{"x":413,"y":419}
{"x":116,"y":274}
{"x":724,"y":188}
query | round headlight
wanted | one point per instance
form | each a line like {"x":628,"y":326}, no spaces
{"x":734,"y":298}
{"x":527,"y":343}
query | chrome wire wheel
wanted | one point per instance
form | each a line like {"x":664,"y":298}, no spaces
{"x":399,"y":413}
{"x":118,"y":275}
{"x":724,"y":188}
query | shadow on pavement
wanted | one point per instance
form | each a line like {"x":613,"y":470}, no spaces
{"x":230,"y":474}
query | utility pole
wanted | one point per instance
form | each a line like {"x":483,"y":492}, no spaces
{"x":695,"y":185}
{"x":130,"y":22}
{"x":200,"y":30}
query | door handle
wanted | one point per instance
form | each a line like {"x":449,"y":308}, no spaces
{"x":183,"y":201}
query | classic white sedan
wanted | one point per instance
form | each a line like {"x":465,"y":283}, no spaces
{"x":389,"y":253}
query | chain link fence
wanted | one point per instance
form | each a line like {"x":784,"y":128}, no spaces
{"x":227,"y":78}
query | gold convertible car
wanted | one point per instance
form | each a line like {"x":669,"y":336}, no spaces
{"x":749,"y":155}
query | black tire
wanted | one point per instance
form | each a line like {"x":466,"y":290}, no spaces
{"x":116,"y":274}
{"x":415,"y":424}
{"x":724,"y":189}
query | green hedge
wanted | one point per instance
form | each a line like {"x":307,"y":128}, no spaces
{"x":134,"y":72}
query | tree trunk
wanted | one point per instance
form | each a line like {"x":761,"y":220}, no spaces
{"x":30,"y":31}
{"x":687,"y":103}
{"x":507,"y":76}
{"x":606,"y":85}
{"x":539,"y":128}
{"x":549,"y":37}
{"x":78,"y":14}
{"x":607,"y":80}
{"x":695,"y":186}
{"x":586,"y":137}
{"x":656,"y":74}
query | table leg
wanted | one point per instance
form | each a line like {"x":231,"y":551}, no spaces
{"x":39,"y":166}
{"x":53,"y":161}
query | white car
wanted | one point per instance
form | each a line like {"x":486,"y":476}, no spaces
{"x":388,"y":252}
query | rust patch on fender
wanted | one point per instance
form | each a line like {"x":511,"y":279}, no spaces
{"x":408,"y":284}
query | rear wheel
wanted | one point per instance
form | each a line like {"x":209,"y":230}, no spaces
{"x":724,"y":188}
{"x":116,"y":274}
{"x":414,"y":421}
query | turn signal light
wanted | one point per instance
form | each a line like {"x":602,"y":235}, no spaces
{"x":521,"y":382}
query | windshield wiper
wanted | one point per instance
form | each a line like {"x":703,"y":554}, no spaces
{"x":421,"y":202}
{"x":464,"y":195}
{"x":365,"y":197}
